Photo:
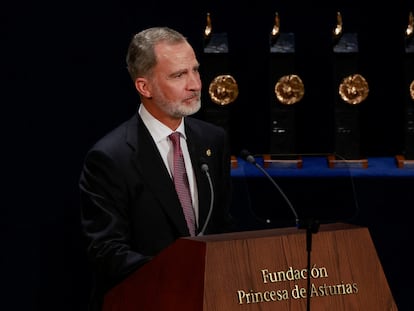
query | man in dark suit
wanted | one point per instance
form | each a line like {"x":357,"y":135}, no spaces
{"x":130,"y":209}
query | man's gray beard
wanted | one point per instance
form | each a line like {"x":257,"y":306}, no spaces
{"x":190,"y":110}
{"x":181,"y":110}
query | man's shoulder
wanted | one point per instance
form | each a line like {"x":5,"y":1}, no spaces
{"x":117,"y":136}
{"x":203,"y":125}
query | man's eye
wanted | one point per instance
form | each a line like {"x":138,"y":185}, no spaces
{"x":179,"y":75}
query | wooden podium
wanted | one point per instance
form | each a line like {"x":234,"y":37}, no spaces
{"x":260,"y":270}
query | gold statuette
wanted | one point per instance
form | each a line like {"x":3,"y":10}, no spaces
{"x":354,"y":89}
{"x":289,"y":89}
{"x":338,"y":30}
{"x":209,"y":29}
{"x":276,"y":29}
{"x":223,"y":90}
{"x":409,"y":32}
{"x":412,"y":90}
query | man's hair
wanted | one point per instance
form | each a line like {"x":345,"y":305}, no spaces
{"x":141,"y":58}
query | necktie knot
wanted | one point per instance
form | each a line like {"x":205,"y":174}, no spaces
{"x":175,"y":139}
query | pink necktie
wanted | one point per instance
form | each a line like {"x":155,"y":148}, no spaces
{"x":181,"y":183}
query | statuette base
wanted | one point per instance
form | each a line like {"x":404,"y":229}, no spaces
{"x":282,"y":161}
{"x":334,"y":162}
{"x":233,"y":162}
{"x":402,"y":162}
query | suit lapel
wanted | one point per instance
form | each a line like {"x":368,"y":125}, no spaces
{"x":196,"y":154}
{"x":151,"y":166}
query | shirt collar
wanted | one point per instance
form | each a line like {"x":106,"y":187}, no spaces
{"x":158,"y":130}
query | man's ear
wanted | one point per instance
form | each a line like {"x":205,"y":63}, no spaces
{"x":142,"y":86}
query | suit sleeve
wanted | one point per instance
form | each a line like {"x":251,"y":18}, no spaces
{"x":105,"y":220}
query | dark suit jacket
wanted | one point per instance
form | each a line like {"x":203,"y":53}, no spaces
{"x":129,"y":207}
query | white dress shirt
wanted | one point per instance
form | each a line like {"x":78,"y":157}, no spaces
{"x":160,"y":133}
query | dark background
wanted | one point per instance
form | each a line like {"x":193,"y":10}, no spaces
{"x":65,"y":84}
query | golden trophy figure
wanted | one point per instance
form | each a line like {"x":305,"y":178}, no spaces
{"x":222,"y":87}
{"x":352,"y":90}
{"x":222,"y":90}
{"x":406,"y":159}
{"x":287,"y":90}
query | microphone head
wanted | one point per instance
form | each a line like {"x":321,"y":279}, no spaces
{"x":203,"y":165}
{"x":245,"y":155}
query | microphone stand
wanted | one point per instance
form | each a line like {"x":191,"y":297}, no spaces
{"x":205,"y":169}
{"x":311,"y":226}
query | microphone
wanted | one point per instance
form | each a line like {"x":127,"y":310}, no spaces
{"x":310,"y":225}
{"x":205,"y":169}
{"x":245,"y":155}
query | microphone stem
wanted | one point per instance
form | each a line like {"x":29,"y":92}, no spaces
{"x":310,"y":225}
{"x":211,"y":204}
{"x":281,"y":192}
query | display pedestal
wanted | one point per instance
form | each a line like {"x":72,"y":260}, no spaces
{"x":233,"y":162}
{"x":402,"y":162}
{"x":335,"y":162}
{"x":282,"y":161}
